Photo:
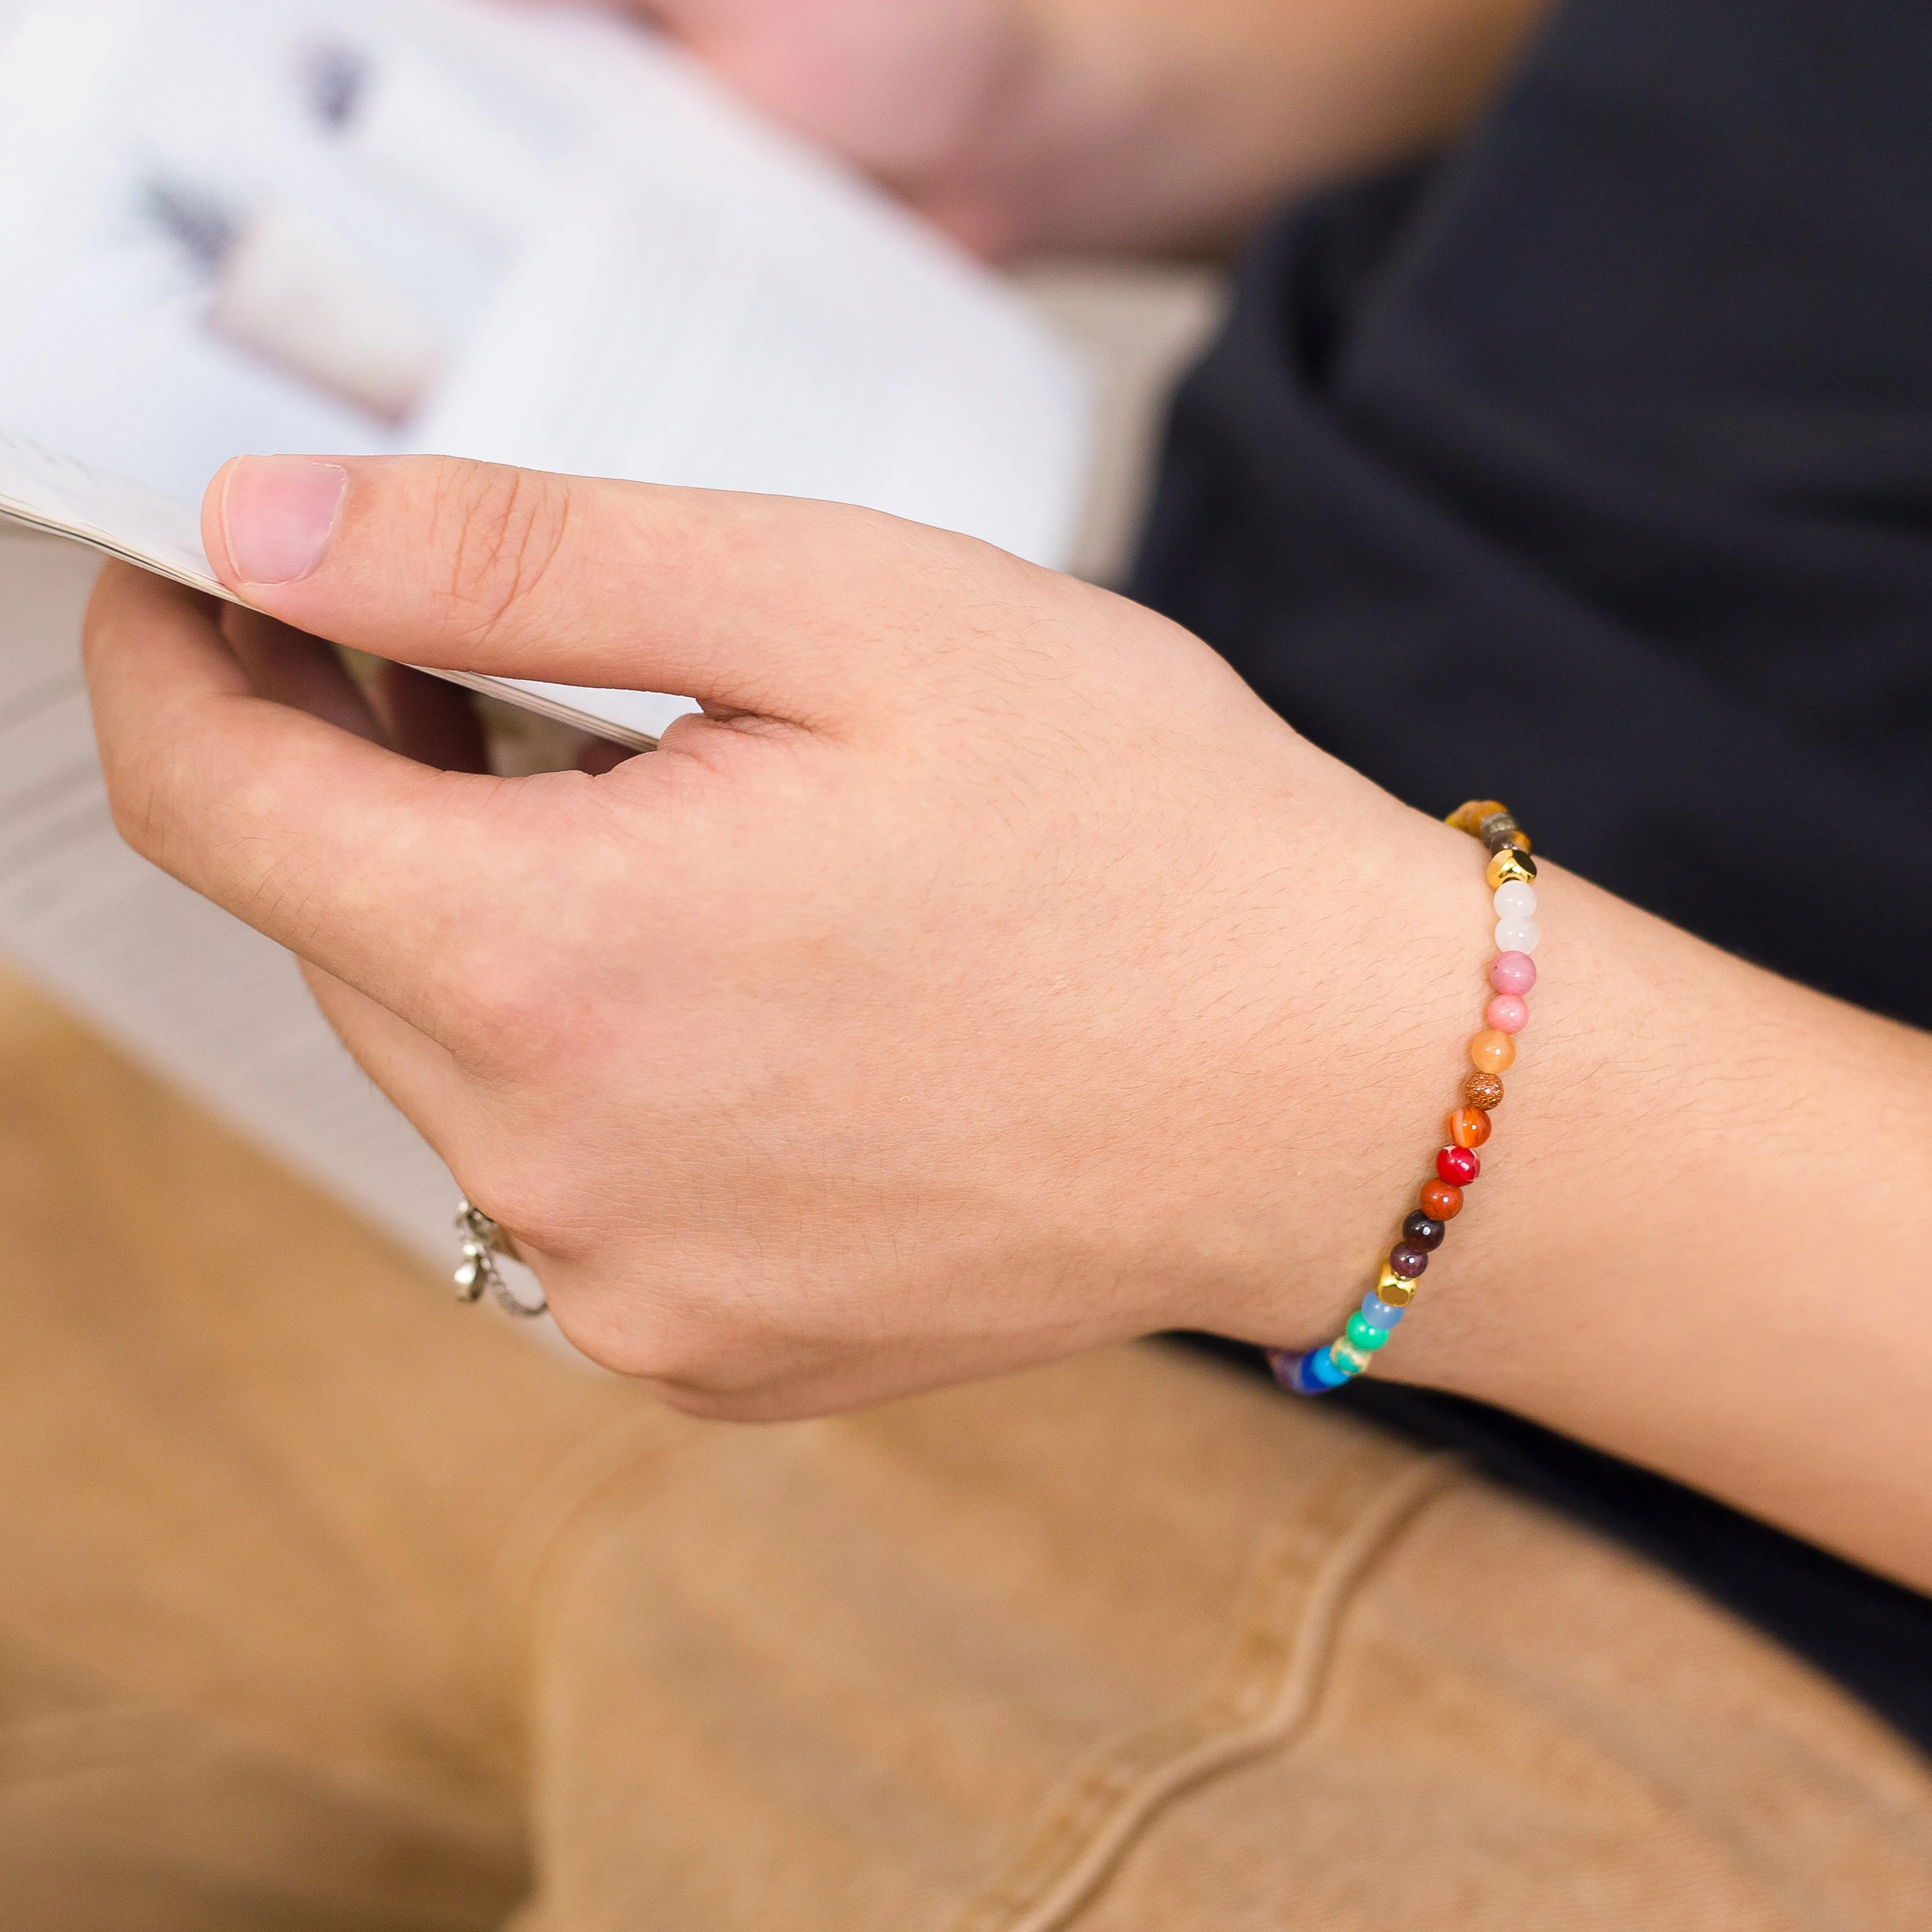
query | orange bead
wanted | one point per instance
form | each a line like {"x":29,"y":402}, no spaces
{"x":1469,"y":1127}
{"x":1441,"y":1201}
{"x":1492,"y":1052}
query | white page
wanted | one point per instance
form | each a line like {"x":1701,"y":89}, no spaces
{"x":527,"y":236}
{"x":58,"y":495}
{"x":202,"y":998}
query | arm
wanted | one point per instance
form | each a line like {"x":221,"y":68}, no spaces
{"x":993,"y":975}
{"x":1157,"y":124}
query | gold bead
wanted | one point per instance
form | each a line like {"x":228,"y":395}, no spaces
{"x":1509,"y":864}
{"x":1397,"y":1290}
{"x":1468,"y":817}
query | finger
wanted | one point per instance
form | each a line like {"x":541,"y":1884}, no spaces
{"x":419,"y":1075}
{"x":784,"y":607}
{"x":430,"y":720}
{"x":599,"y":755}
{"x":353,"y":857}
{"x":287,"y":667}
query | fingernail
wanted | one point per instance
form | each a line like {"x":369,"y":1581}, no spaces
{"x":278,"y":516}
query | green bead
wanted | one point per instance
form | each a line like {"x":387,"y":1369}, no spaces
{"x":1365,"y":1334}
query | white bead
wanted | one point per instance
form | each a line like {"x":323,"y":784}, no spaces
{"x":1517,"y":935}
{"x":1516,"y":898}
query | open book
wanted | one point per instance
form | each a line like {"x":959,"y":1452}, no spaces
{"x":529,"y":235}
{"x":342,"y":226}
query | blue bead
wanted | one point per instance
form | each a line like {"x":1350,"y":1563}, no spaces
{"x":1306,"y":1381}
{"x":1321,"y":1368}
{"x":1377,"y":1313}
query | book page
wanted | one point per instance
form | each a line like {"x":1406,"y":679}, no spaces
{"x":54,"y":495}
{"x":523,"y":235}
{"x":204,"y":1000}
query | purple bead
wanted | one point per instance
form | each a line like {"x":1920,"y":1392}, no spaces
{"x":1513,"y":973}
{"x":1295,"y":1370}
{"x":1408,"y":1258}
{"x":1377,"y":1313}
{"x":1419,"y":1231}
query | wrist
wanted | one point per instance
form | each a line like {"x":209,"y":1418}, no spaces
{"x":1369,"y":948}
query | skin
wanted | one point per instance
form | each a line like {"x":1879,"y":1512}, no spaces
{"x":1025,"y":124}
{"x":991,"y":975}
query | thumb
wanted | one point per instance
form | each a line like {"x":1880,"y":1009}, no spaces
{"x":771,"y":604}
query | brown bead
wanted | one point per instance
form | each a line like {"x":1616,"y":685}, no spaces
{"x":1484,"y":1090}
{"x":1441,"y":1201}
{"x":1469,"y":1127}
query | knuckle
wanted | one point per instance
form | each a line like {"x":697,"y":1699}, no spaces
{"x":521,"y":1195}
{"x":503,"y":531}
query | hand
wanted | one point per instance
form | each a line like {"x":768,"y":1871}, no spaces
{"x":1027,"y":125}
{"x":990,"y":975}
{"x":962,"y":991}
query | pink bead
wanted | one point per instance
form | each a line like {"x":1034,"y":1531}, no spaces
{"x":1512,"y":973}
{"x":1508,"y":1013}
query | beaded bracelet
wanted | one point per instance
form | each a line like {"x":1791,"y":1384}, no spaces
{"x":1512,"y":873}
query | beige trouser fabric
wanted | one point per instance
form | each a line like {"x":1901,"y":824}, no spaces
{"x":328,"y":1605}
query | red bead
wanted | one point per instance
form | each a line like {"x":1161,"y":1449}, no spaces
{"x":1458,"y":1165}
{"x":1441,"y":1202}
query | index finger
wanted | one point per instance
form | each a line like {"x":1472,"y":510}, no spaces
{"x":348,"y":854}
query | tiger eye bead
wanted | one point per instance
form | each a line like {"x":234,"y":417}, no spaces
{"x":1441,"y":1201}
{"x":1492,"y":1052}
{"x":1469,"y":818}
{"x":1484,"y":1090}
{"x":1510,"y":866}
{"x":1469,"y":1127}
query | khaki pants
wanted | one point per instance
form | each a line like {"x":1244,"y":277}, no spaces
{"x":329,"y":1605}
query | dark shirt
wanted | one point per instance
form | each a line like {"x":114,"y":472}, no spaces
{"x":1589,"y":466}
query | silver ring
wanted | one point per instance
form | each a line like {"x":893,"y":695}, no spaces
{"x":483,"y":1240}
